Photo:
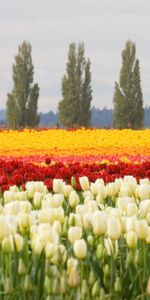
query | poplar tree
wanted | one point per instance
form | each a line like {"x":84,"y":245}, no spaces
{"x":22,"y":102}
{"x":128,"y":98}
{"x":75,"y":106}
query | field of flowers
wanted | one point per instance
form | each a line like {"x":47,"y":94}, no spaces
{"x":75,"y":214}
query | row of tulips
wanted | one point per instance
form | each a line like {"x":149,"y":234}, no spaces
{"x":18,"y":172}
{"x":81,"y":142}
{"x":71,"y":244}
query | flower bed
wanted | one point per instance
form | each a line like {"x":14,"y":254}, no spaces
{"x":92,"y":244}
{"x":75,"y":214}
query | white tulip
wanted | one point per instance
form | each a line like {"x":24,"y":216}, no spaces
{"x":74,"y":233}
{"x":67,"y":189}
{"x":84,"y":182}
{"x":142,"y":229}
{"x":132,"y":182}
{"x":81,"y":209}
{"x":111,"y":189}
{"x":37,"y":199}
{"x":58,"y":186}
{"x":87,"y":220}
{"x":22,"y":196}
{"x":75,"y":220}
{"x":57,"y":200}
{"x":80,"y":249}
{"x":99,"y":223}
{"x":131,"y":239}
{"x":144,"y":207}
{"x":113,"y":228}
{"x":4,"y":228}
{"x":74,"y":199}
{"x":132,"y":209}
{"x":9,"y":196}
{"x":144,"y":191}
{"x":131,"y":223}
{"x":125,"y":190}
{"x":92,"y":206}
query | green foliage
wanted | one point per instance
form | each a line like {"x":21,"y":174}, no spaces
{"x":74,"y":108}
{"x":22,"y":102}
{"x":128,"y":98}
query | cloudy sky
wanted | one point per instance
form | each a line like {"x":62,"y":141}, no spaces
{"x":51,"y":25}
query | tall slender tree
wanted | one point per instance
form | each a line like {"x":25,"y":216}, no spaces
{"x":22,"y":102}
{"x":75,"y":106}
{"x":128,"y":98}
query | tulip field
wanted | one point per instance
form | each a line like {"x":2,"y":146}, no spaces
{"x":75,"y":214}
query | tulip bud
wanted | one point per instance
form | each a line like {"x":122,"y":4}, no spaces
{"x":87,"y":219}
{"x":14,"y":189}
{"x":48,"y":285}
{"x":117,"y":286}
{"x":4,"y":228}
{"x":130,"y":258}
{"x":57,"y":186}
{"x":113,"y":228}
{"x":84,"y":289}
{"x":96,"y":289}
{"x":74,"y":199}
{"x":67,"y":189}
{"x":7,"y":245}
{"x":63,"y":285}
{"x":75,"y":220}
{"x":144,"y":191}
{"x":57,"y":227}
{"x":65,"y":226}
{"x":63,"y":253}
{"x":137,"y":257}
{"x":8,"y":286}
{"x":50,"y":250}
{"x":132,"y":209}
{"x":54,"y":271}
{"x":91,"y":278}
{"x":80,"y":249}
{"x":144,"y":208}
{"x":72,"y":264}
{"x":99,"y":251}
{"x":131,"y":239}
{"x":27,"y":283}
{"x":73,"y":182}
{"x":22,"y":270}
{"x":30,"y":187}
{"x":142,"y":229}
{"x":109,"y":246}
{"x":99,"y":223}
{"x":55,"y":286}
{"x":37,"y":247}
{"x":18,"y":239}
{"x":37,"y":199}
{"x":106,"y":271}
{"x":74,"y":233}
{"x":57,"y":200}
{"x":111,"y":189}
{"x":9,"y":196}
{"x":24,"y":222}
{"x":90,"y":240}
{"x":131,"y":224}
{"x":102,"y":294}
{"x":73,"y":279}
{"x":84,"y":182}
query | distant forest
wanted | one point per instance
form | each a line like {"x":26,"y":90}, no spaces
{"x":101,"y":118}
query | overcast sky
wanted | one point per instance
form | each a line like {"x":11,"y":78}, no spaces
{"x":51,"y":25}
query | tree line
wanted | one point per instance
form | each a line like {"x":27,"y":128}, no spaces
{"x":74,"y":108}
